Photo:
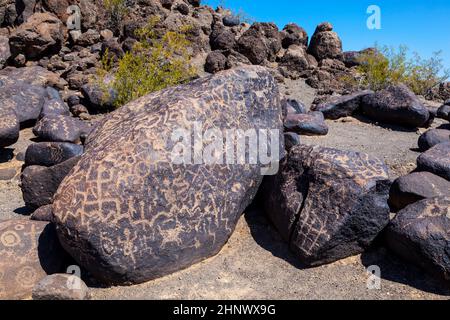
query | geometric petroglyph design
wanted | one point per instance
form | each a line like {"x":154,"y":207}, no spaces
{"x":9,"y":239}
{"x":23,"y":244}
{"x":319,"y":192}
{"x":128,"y":214}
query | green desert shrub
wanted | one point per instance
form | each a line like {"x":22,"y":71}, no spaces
{"x":387,"y":65}
{"x":152,"y":64}
{"x":116,"y":10}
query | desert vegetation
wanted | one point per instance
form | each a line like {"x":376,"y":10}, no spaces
{"x":153,"y":64}
{"x":389,"y":65}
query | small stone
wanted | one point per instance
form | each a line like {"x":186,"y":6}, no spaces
{"x":61,"y":287}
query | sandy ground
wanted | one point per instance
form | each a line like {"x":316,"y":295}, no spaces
{"x":256,"y":263}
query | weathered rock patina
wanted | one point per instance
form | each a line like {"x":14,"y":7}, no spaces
{"x":129,"y":214}
{"x":326,"y":203}
{"x":29,"y":250}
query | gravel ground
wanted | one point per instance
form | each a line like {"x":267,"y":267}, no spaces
{"x":256,"y":263}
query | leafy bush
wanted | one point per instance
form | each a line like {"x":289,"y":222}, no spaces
{"x":116,"y":10}
{"x":153,"y":64}
{"x":386,"y":65}
{"x":243,"y":16}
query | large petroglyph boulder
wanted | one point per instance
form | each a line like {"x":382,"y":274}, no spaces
{"x":29,"y":250}
{"x":328,"y":204}
{"x":128,"y":213}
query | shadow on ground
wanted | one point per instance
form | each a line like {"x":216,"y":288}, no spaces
{"x":392,"y":127}
{"x":392,"y":268}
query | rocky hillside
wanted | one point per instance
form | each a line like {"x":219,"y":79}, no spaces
{"x":104,"y":194}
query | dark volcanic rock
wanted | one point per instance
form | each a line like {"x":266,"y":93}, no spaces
{"x":325,"y":43}
{"x":231,"y":21}
{"x":292,"y":34}
{"x":291,"y":140}
{"x":328,"y":204}
{"x":420,"y":234}
{"x":25,"y":99}
{"x":433,"y":137}
{"x":30,"y":250}
{"x":54,"y":107}
{"x":44,"y":213}
{"x":343,"y":106}
{"x":41,"y":34}
{"x":353,"y":58}
{"x":60,"y":129}
{"x":222,"y":39}
{"x":152,"y":214}
{"x":39,"y":184}
{"x":309,"y":124}
{"x":215,"y":62}
{"x":295,"y":107}
{"x":97,"y":98}
{"x":294,"y":62}
{"x":34,"y":75}
{"x":9,"y":128}
{"x":261,"y":42}
{"x":397,"y":104}
{"x":61,"y":287}
{"x":444,"y":112}
{"x":48,"y":154}
{"x":415,"y":187}
{"x":436,"y":160}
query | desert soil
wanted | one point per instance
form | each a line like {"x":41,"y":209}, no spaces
{"x":256,"y":263}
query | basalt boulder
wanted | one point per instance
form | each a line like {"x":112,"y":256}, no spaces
{"x":444,"y":112}
{"x":48,"y":154}
{"x":39,"y":184}
{"x":33,"y":75}
{"x":30,"y":251}
{"x":417,"y":186}
{"x":41,"y":34}
{"x":343,"y":106}
{"x":308,"y":124}
{"x":326,"y":203}
{"x":60,"y":128}
{"x":135,"y":209}
{"x":294,"y":107}
{"x":294,"y":62}
{"x":397,"y":105}
{"x":25,"y":99}
{"x":44,"y":213}
{"x":261,"y":42}
{"x":9,"y":128}
{"x":436,"y":160}
{"x":54,"y":107}
{"x":420,"y":234}
{"x":292,"y":34}
{"x":215,"y":62}
{"x":433,"y":137}
{"x":325,"y":43}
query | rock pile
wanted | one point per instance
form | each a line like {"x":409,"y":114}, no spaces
{"x":127,"y":213}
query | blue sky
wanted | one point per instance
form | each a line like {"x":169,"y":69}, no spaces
{"x":422,"y":25}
